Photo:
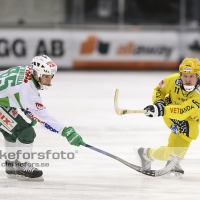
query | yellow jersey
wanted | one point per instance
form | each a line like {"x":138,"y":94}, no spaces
{"x":183,"y":105}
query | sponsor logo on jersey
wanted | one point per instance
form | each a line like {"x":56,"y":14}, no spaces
{"x":196,"y":103}
{"x":181,"y":110}
{"x":174,"y":128}
{"x":183,"y":126}
{"x":50,"y":128}
{"x":13,"y":112}
{"x":162,"y":84}
{"x":39,"y":106}
{"x":178,"y":82}
{"x":46,"y":125}
{"x":6,"y":120}
{"x":158,"y":94}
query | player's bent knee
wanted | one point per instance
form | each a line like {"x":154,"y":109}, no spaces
{"x":27,"y":136}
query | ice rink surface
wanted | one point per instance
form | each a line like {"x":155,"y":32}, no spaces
{"x":84,"y":100}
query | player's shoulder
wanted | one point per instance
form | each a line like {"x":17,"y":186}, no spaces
{"x":173,"y":79}
{"x":173,"y":76}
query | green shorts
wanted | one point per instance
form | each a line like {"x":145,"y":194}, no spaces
{"x":13,"y":126}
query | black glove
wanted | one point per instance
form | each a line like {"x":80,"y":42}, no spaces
{"x":155,"y":110}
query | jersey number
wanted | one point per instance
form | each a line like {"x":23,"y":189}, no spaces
{"x":9,"y":77}
{"x":177,"y":90}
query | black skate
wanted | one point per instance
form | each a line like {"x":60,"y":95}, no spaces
{"x":10,"y":170}
{"x":25,"y":172}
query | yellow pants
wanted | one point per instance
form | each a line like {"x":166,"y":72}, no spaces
{"x":183,"y":132}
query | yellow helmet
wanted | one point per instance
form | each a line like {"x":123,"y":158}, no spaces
{"x":190,"y":66}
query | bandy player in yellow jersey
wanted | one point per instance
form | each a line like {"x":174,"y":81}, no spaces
{"x":177,"y":99}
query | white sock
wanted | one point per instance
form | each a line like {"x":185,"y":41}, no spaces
{"x":10,"y":148}
{"x":23,"y":151}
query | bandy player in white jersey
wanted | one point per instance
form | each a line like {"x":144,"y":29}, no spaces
{"x":19,"y":89}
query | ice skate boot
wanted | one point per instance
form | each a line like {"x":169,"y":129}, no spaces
{"x":25,"y":172}
{"x":145,"y":161}
{"x":10,"y":170}
{"x":176,"y":172}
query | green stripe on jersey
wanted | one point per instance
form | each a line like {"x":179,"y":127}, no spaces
{"x":17,"y":97}
{"x":4,"y":101}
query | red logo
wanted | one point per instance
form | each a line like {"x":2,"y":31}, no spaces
{"x":161,"y":83}
{"x":14,"y":113}
{"x":51,"y":64}
{"x":39,"y":106}
{"x":4,"y":119}
{"x":27,"y":75}
{"x":33,"y":117}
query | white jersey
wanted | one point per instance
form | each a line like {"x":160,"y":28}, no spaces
{"x":18,"y":89}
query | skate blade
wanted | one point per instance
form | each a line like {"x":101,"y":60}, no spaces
{"x":173,"y":175}
{"x":23,"y":178}
{"x":11,"y":176}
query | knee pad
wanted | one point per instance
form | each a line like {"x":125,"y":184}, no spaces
{"x":27,"y":135}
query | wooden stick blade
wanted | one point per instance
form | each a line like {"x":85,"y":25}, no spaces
{"x":117,"y":110}
{"x":120,"y":111}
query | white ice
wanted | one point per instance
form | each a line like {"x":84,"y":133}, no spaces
{"x":85,"y":100}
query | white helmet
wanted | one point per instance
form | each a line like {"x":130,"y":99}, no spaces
{"x":43,"y":65}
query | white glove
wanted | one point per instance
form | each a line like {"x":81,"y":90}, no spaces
{"x":155,"y":110}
